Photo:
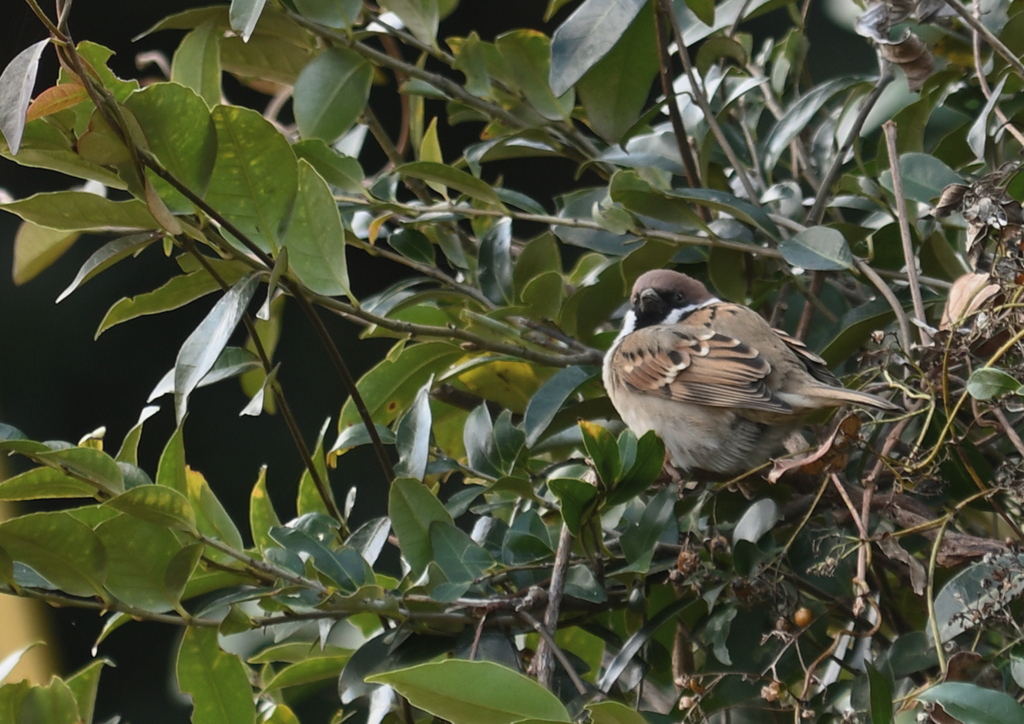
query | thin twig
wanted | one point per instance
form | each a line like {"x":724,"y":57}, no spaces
{"x":346,"y":377}
{"x":426,"y":270}
{"x":572,"y":223}
{"x":261,"y":565}
{"x":940,"y":653}
{"x":1008,"y":430}
{"x":545,"y":665}
{"x":709,"y":115}
{"x":661,"y":10}
{"x":412,"y":329}
{"x":985,"y":88}
{"x":555,"y":649}
{"x":1012,"y":60}
{"x":807,"y":314}
{"x":894,"y":303}
{"x":817,"y":211}
{"x":889,"y":128}
{"x":61,"y":601}
{"x":286,"y":412}
{"x":47,"y":23}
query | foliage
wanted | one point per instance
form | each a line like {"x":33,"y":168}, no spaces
{"x":872,"y":578}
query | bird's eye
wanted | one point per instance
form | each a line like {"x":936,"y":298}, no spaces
{"x":680,"y":298}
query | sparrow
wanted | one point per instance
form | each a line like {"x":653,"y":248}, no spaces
{"x":718,"y":384}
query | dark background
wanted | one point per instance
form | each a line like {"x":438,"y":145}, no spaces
{"x":56,"y":382}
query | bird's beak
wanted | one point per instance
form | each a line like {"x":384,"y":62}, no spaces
{"x":650,"y":301}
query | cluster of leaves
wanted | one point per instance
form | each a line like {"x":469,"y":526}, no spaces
{"x":836,"y":591}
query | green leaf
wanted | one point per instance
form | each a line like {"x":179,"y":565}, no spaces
{"x":44,"y":146}
{"x":451,"y":177}
{"x":413,"y":245}
{"x":101,"y":144}
{"x":243,"y":15}
{"x":196,"y":62}
{"x":337,"y":170}
{"x":43,"y":483}
{"x":181,"y":134}
{"x":86,"y":463}
{"x":759,"y":518}
{"x":11,"y":697}
{"x":856,"y":326}
{"x":130,"y":445}
{"x":357,"y":435}
{"x":799,"y":115}
{"x":495,"y":263}
{"x":978,"y":133}
{"x":58,"y":547}
{"x":971,"y":590}
{"x":215,"y":680}
{"x":346,"y":572}
{"x":614,"y":91}
{"x":202,"y":348}
{"x":479,"y":442}
{"x":412,"y":439}
{"x":84,"y":684}
{"x":459,"y":556}
{"x":881,"y":697}
{"x":818,"y":248}
{"x":638,"y":477}
{"x":262,"y":516}
{"x":548,"y":400}
{"x":986,"y":383}
{"x":97,"y":56}
{"x":973,"y":704}
{"x":255,"y":175}
{"x":613,"y":712}
{"x":138,"y":556}
{"x":575,"y":497}
{"x":586,"y":36}
{"x":313,"y":669}
{"x":315,"y":238}
{"x":419,"y":16}
{"x":82,"y":211}
{"x":106,"y":256}
{"x":157,"y":504}
{"x":176,"y":293}
{"x":412,"y":509}
{"x":602,"y":450}
{"x":527,"y":54}
{"x":211,"y":518}
{"x":171,"y":471}
{"x":639,"y":540}
{"x":53,"y":704}
{"x":36,"y":248}
{"x":232,"y":362}
{"x":331,"y":92}
{"x":332,"y":13}
{"x":309,"y":499}
{"x":391,"y":385}
{"x":498,"y":695}
{"x":924,"y":177}
{"x":718,"y":628}
{"x":675,"y":206}
{"x":264,"y":58}
{"x":16,"y":84}
{"x":703,"y":9}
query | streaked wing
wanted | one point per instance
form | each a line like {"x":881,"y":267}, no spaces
{"x":815,"y":365}
{"x":696,"y":365}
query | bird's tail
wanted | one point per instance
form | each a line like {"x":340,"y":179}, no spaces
{"x":845,"y":396}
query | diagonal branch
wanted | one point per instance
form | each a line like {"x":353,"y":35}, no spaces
{"x":678,"y":129}
{"x":709,"y":115}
